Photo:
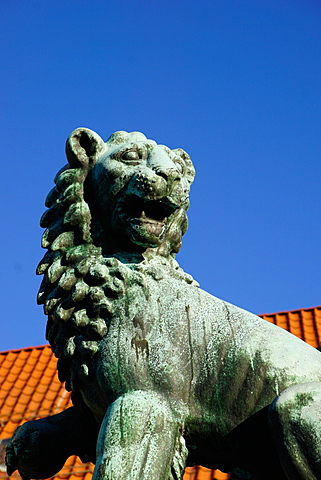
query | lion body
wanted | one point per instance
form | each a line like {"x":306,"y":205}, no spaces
{"x":170,"y":374}
{"x":219,"y":362}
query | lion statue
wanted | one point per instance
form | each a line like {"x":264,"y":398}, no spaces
{"x":162,"y":374}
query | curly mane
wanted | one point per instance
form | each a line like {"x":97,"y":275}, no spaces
{"x":80,"y":283}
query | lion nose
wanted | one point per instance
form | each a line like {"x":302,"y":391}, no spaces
{"x":159,"y":161}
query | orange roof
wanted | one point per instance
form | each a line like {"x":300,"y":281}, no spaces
{"x":30,"y":389}
{"x":305,"y":323}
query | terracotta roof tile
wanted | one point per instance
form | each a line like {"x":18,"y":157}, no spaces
{"x":305,"y":323}
{"x":29,"y":388}
{"x":202,"y":473}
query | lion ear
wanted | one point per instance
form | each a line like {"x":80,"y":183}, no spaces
{"x":83,"y":147}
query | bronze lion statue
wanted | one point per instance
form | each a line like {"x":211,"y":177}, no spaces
{"x":162,"y":374}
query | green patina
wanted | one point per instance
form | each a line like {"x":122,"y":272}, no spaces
{"x":169,"y":374}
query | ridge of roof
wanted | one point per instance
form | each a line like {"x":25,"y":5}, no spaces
{"x":296,"y":310}
{"x":25,"y":349}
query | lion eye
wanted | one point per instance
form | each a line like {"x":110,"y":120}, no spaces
{"x":179,"y":167}
{"x":131,"y":155}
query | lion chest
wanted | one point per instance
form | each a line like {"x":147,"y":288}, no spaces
{"x":159,"y":339}
{"x":148,"y":342}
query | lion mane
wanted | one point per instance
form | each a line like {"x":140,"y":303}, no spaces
{"x":82,"y":276}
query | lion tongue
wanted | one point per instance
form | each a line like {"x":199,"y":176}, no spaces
{"x":155,"y":227}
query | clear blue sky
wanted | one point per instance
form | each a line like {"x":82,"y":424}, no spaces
{"x":236,"y":83}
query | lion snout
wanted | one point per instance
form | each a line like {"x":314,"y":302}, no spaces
{"x":160,"y":161}
{"x":148,"y":184}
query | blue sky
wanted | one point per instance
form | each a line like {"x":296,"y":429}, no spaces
{"x":236,"y":83}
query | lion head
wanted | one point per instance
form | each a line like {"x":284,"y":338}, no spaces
{"x":137,"y":191}
{"x":117,"y":202}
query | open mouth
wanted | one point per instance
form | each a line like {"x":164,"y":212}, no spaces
{"x":152,"y":215}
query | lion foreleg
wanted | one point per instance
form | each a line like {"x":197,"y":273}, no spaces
{"x":295,"y":420}
{"x":39,"y":448}
{"x":140,"y":439}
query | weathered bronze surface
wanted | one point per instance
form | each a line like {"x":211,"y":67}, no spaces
{"x":162,"y":374}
